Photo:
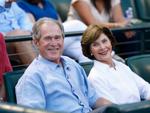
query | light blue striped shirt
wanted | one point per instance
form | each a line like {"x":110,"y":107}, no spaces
{"x":49,"y":86}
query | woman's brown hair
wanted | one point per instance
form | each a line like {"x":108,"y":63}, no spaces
{"x":91,"y":34}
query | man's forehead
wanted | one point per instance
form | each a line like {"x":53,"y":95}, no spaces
{"x":50,"y":23}
{"x":50,"y":26}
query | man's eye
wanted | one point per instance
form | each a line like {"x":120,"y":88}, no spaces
{"x":58,"y":37}
{"x":47,"y":38}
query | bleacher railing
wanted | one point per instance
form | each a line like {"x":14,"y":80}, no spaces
{"x":142,"y":42}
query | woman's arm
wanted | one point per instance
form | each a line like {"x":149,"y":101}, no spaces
{"x":118,"y":16}
{"x":84,"y":11}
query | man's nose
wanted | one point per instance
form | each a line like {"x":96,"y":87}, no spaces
{"x":52,"y":41}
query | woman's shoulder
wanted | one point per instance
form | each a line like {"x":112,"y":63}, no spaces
{"x":115,"y":2}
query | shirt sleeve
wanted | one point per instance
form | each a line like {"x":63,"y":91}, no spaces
{"x":29,"y":92}
{"x":100,"y":86}
{"x":89,"y":90}
{"x":22,"y":18}
{"x":143,"y":86}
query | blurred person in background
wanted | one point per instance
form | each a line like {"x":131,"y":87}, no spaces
{"x":98,"y":12}
{"x":107,"y":13}
{"x":15,"y":22}
{"x":5,"y":65}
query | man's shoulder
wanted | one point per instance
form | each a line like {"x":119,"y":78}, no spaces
{"x":35,"y":66}
{"x":67,"y":59}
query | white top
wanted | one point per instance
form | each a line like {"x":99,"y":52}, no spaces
{"x":120,"y":86}
{"x":103,"y":16}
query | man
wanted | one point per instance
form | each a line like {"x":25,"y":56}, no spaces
{"x":52,"y":79}
{"x":15,"y":22}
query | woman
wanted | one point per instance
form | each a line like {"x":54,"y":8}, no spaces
{"x":43,"y":7}
{"x":112,"y":80}
{"x":98,"y":12}
{"x":104,"y":12}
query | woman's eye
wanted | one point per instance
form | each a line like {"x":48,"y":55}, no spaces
{"x":95,"y":44}
{"x":104,"y":41}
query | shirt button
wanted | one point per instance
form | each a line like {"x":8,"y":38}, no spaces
{"x":67,"y":77}
{"x":73,"y":90}
{"x":80,"y":102}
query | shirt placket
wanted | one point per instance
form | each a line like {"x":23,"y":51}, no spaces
{"x":74,"y":91}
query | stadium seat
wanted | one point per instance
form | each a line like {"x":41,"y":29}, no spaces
{"x":139,"y":107}
{"x":142,"y":8}
{"x":62,"y":6}
{"x":87,"y":66}
{"x":10,"y":81}
{"x":140,"y":64}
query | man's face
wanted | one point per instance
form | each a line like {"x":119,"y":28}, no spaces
{"x":51,"y":42}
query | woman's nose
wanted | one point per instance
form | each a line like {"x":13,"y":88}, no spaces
{"x":102,"y":46}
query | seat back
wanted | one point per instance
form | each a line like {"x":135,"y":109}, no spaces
{"x":10,"y":81}
{"x":62,"y":6}
{"x":87,"y":66}
{"x":140,"y":64}
{"x":142,"y":8}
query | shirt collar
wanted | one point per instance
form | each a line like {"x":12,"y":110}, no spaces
{"x":54,"y":65}
{"x":102,"y":66}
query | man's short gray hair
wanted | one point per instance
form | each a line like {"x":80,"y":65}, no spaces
{"x":36,"y":34}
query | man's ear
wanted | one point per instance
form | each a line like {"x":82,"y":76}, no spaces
{"x":35,"y":43}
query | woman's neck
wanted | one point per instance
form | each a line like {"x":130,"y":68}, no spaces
{"x":40,"y":5}
{"x":111,"y":64}
{"x":99,"y":5}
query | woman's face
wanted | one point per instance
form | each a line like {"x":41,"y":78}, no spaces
{"x":102,"y":49}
